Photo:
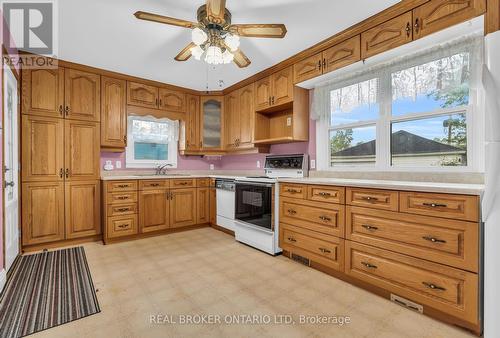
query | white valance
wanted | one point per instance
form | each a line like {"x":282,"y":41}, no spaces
{"x":440,"y":69}
{"x":152,"y":129}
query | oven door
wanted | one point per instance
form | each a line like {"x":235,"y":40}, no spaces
{"x":254,"y":204}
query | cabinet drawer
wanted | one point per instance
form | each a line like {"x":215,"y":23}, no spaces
{"x":442,"y":205}
{"x":372,"y":198}
{"x":203,"y":182}
{"x":323,"y":217}
{"x":119,"y":226}
{"x":326,"y":250}
{"x":182,"y":183}
{"x":153,"y":184}
{"x":122,"y":209}
{"x":326,"y":194}
{"x":293,"y":190}
{"x":449,"y":290}
{"x":449,"y":242}
{"x":122,"y":197}
{"x":121,"y":186}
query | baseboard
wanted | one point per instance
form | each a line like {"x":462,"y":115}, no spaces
{"x":3,"y":279}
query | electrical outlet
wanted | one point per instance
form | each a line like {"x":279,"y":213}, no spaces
{"x":258,"y":164}
{"x":212,"y":167}
{"x":313,"y":164}
{"x":118,"y":164}
{"x":288,"y":121}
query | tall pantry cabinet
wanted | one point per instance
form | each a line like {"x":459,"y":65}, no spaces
{"x":60,"y":150}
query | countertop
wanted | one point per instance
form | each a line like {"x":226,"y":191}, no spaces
{"x":159,"y":177}
{"x":454,"y":188}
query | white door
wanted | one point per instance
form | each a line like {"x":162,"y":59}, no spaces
{"x":11,"y":168}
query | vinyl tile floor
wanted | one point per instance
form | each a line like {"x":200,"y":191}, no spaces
{"x":202,"y":283}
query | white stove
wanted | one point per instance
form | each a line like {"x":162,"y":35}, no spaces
{"x":257,"y":202}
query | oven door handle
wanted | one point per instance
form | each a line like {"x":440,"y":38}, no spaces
{"x":267,"y":185}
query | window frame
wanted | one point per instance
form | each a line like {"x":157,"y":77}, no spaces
{"x":130,"y":162}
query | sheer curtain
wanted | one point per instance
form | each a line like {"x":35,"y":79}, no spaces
{"x":152,"y":129}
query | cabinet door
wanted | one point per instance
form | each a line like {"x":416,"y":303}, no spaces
{"x":203,"y":206}
{"x":82,"y":93}
{"x":342,"y":54}
{"x":82,"y":155}
{"x":213,"y":206}
{"x":83,"y":208}
{"x":183,"y":207}
{"x":42,"y":212}
{"x":153,"y":210}
{"x":436,"y":15}
{"x":113,"y":113}
{"x":307,"y":68}
{"x":42,"y":148}
{"x":212,"y":117}
{"x":193,"y":123}
{"x":232,"y":115}
{"x":142,"y":95}
{"x":263,"y":93}
{"x":247,"y":116}
{"x":282,"y":87}
{"x":172,"y":100}
{"x":43,"y":92}
{"x":386,"y":36}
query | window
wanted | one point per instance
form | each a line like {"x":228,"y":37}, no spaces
{"x":151,"y":142}
{"x":414,"y":112}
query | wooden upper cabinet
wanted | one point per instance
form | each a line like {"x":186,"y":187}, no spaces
{"x":192,"y":122}
{"x":263,"y":93}
{"x":172,"y":100}
{"x":142,"y":95}
{"x":282,"y":87}
{"x":42,"y":148}
{"x":386,"y":36}
{"x":83,"y":208}
{"x":183,"y":207}
{"x":113,"y":113}
{"x":436,"y":15}
{"x":153,"y":210}
{"x":247,"y":113}
{"x":203,"y":205}
{"x":82,"y":92}
{"x":82,"y":144}
{"x":212,"y":123}
{"x":308,"y":68}
{"x":342,"y":54}
{"x":43,"y":92}
{"x":42,"y":212}
{"x":232,"y":115}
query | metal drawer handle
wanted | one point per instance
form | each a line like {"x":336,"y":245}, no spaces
{"x":433,"y":239}
{"x":325,"y":218}
{"x":368,"y":265}
{"x":122,"y":197}
{"x":291,"y":239}
{"x":291,"y":211}
{"x":369,"y":198}
{"x":369,"y":227}
{"x":323,"y":250}
{"x":183,"y":183}
{"x":123,"y":226}
{"x":325,"y":194}
{"x":155,"y":184}
{"x":433,"y":286}
{"x":123,"y":209}
{"x":123,"y":186}
{"x":292,"y":191}
{"x":434,"y":205}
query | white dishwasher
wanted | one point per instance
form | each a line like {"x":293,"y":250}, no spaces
{"x":225,"y":191}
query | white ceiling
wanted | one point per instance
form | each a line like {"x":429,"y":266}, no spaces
{"x":105,"y":34}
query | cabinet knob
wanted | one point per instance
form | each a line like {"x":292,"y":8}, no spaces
{"x":408,"y":29}
{"x":319,"y":65}
{"x":417,"y":25}
{"x":61,"y":110}
{"x":67,"y":173}
{"x":61,"y":173}
{"x":67,"y":110}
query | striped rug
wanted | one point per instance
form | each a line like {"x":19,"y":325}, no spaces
{"x":45,"y":290}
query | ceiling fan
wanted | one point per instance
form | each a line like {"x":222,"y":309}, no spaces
{"x":214,"y":36}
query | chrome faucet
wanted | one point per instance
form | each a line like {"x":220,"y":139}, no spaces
{"x":162,"y":169}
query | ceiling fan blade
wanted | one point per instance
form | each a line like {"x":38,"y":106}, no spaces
{"x":241,"y":59}
{"x":185,"y":52}
{"x":216,"y":9}
{"x":164,"y":19}
{"x":259,"y":30}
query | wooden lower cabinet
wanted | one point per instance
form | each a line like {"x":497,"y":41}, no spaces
{"x":121,"y":226}
{"x":42,"y":212}
{"x":203,"y":205}
{"x":213,"y":206}
{"x":183,"y":207}
{"x":154,"y":210}
{"x":83,"y":208}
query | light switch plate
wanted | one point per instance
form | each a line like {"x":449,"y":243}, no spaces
{"x":258,"y":164}
{"x":288,"y":121}
{"x":313,"y":164}
{"x":118,"y":164}
{"x":212,"y":167}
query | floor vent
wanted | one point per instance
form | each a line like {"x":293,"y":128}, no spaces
{"x":301,"y":260}
{"x":407,"y":303}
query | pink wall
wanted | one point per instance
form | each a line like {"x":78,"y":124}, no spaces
{"x":233,"y":162}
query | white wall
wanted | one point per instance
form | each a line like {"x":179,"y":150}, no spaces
{"x":491,"y":200}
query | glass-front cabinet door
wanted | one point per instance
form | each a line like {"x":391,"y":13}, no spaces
{"x":212,"y":109}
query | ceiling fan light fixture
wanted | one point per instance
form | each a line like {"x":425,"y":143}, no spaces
{"x":197,"y":52}
{"x":199,"y":36}
{"x":232,"y":41}
{"x":214,"y":55}
{"x":227,"y":56}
